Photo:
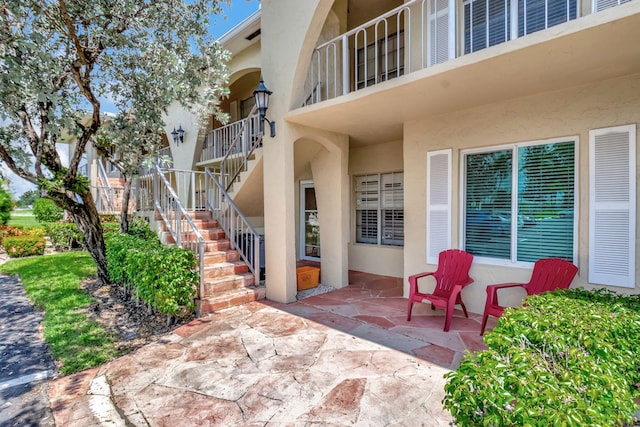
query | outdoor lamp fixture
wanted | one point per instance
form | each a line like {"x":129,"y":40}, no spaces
{"x":178,"y":135}
{"x":262,"y":102}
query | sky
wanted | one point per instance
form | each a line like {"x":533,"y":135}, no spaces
{"x":232,"y":16}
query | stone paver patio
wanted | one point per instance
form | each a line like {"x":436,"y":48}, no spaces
{"x":348,"y":357}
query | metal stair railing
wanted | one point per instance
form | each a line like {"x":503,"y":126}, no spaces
{"x":233,"y":145}
{"x":104,"y":195}
{"x":243,"y":236}
{"x":176,"y":217}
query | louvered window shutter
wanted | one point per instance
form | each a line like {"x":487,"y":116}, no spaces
{"x":612,"y":206}
{"x":438,"y":203}
{"x":599,"y":5}
{"x":440,"y":34}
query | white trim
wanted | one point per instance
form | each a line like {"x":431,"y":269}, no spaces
{"x":609,"y":250}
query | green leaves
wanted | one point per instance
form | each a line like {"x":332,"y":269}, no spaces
{"x":565,"y":358}
{"x":164,"y":277}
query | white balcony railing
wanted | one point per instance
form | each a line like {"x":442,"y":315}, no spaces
{"x":234,"y":138}
{"x":423,"y":33}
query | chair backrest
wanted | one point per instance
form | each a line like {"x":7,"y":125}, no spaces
{"x":550,"y":274}
{"x":453,"y":269}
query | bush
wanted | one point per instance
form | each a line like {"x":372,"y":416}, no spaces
{"x":21,"y":246}
{"x":64,"y":236}
{"x":140,"y":228}
{"x":5,"y":206}
{"x":19,"y":230}
{"x":163,"y":277}
{"x":570,"y":357}
{"x":45,"y":210}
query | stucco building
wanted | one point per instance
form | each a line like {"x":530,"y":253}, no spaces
{"x":505,"y":128}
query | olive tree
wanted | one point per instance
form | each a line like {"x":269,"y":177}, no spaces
{"x":60,"y":58}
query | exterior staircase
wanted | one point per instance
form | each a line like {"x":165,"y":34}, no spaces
{"x":227,"y":281}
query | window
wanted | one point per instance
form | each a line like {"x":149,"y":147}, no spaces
{"x":488,"y":22}
{"x":519,"y":201}
{"x":599,"y":5}
{"x":380,"y":209}
{"x":382,"y":60}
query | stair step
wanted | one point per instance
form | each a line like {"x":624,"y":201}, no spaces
{"x":209,"y":245}
{"x":230,"y":298}
{"x":217,"y":285}
{"x":207,"y":234}
{"x":213,"y":257}
{"x":223,"y":269}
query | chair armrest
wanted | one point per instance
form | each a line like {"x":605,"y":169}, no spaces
{"x":420,"y":275}
{"x":413,"y":281}
{"x":492,"y":292}
{"x":503,"y":286}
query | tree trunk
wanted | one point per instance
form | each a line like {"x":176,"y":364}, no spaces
{"x":124,"y":211}
{"x":86,"y":217}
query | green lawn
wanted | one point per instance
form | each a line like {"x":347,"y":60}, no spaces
{"x":23,"y":217}
{"x":53,"y":284}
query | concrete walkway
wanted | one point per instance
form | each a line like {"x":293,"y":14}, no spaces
{"x":348,"y":357}
{"x":25,"y":362}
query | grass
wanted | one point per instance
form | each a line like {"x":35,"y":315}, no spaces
{"x":23,"y":217}
{"x":52,"y":283}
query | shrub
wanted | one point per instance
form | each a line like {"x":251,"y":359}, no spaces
{"x":26,"y":245}
{"x":5,"y":206}
{"x":139,"y":227}
{"x":45,"y":210}
{"x":566,"y":358}
{"x":19,"y":230}
{"x":64,"y":236}
{"x":110,"y":228}
{"x":163,"y":277}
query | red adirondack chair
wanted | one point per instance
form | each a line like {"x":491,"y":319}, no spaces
{"x":548,"y":274}
{"x":451,"y":276}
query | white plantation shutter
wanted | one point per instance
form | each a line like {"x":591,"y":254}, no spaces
{"x":599,"y":5}
{"x":612,"y":206}
{"x":438,"y":203}
{"x":440,"y":32}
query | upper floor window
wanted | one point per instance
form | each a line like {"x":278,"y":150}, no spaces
{"x":519,"y":201}
{"x":599,"y":5}
{"x":489,"y":22}
{"x":380,"y":208}
{"x":382,"y":60}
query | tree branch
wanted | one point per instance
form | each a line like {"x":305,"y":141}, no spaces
{"x":72,"y":31}
{"x":14,"y":167}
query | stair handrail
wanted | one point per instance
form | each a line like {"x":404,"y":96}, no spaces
{"x":104,"y":181}
{"x":250,"y":140}
{"x":236,"y":226}
{"x":172,"y":204}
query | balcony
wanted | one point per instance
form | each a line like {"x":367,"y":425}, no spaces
{"x":418,"y":64}
{"x":424,"y":33}
{"x":230,"y":140}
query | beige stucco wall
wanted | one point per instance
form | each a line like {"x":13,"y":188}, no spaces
{"x":377,"y":259}
{"x":284,"y":72}
{"x":569,"y":112}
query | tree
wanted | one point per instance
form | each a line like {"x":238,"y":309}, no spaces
{"x":28,"y":198}
{"x":59,"y":58}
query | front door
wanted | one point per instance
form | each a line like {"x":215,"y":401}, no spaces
{"x":310,"y":227}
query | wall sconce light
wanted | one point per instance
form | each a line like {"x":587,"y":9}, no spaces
{"x":261,"y":95}
{"x":178,"y":135}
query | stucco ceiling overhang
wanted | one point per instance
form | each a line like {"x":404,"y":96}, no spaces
{"x":596,"y":47}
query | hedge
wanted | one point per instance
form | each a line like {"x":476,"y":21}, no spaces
{"x":165,"y":278}
{"x":45,"y":210}
{"x":567,"y":358}
{"x":26,"y":245}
